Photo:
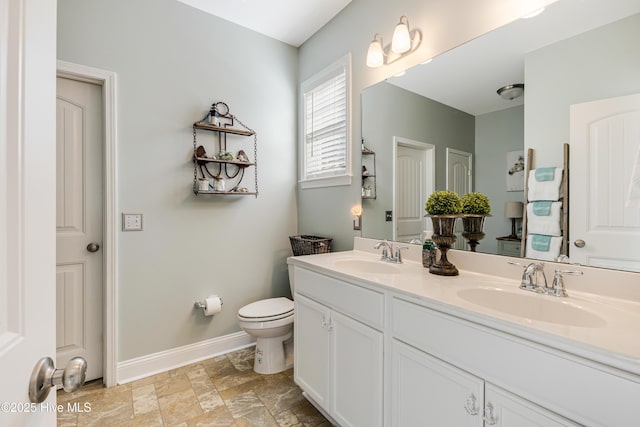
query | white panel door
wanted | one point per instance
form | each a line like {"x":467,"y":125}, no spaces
{"x":27,"y":203}
{"x":605,"y":144}
{"x":429,"y":392}
{"x":357,"y":375}
{"x":509,"y":410}
{"x":459,"y":180}
{"x":414,"y":181}
{"x":79,"y":223}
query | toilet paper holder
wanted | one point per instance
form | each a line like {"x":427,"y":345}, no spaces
{"x":203,"y":304}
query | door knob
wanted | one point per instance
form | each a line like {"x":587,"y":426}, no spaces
{"x":45,"y":376}
{"x":93,"y":247}
{"x":580,"y":243}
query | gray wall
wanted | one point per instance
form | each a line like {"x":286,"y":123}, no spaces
{"x":443,"y":24}
{"x":602,"y":63}
{"x":172,"y":62}
{"x":496,"y":134}
{"x":389,"y":111}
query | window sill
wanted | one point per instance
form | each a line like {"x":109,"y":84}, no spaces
{"x":332,"y":181}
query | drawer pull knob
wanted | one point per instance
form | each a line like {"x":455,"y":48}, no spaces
{"x":326,"y":323}
{"x":472,"y":405}
{"x":490,"y":417}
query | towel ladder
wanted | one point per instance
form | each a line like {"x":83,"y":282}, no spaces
{"x":564,"y":197}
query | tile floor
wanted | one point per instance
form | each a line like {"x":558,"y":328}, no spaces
{"x":222,"y":391}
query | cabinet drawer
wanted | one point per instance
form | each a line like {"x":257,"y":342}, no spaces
{"x":360,"y":303}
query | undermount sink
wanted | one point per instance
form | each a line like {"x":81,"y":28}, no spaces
{"x":367,"y":266}
{"x":533,"y":306}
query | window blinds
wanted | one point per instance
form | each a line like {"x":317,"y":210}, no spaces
{"x":325,"y":127}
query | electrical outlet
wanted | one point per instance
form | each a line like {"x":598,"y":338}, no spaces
{"x":131,"y":222}
{"x":388,"y":216}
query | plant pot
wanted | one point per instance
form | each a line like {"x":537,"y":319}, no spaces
{"x":473,"y":225}
{"x":444,"y":236}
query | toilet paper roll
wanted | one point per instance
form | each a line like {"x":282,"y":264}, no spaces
{"x":213,"y":305}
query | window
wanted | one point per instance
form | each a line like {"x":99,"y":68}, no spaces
{"x":326,"y":149}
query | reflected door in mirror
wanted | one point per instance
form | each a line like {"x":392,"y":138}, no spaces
{"x":459,"y":180}
{"x":413,"y":183}
{"x":605,"y":145}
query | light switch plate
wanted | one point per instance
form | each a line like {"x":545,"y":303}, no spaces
{"x":131,"y":222}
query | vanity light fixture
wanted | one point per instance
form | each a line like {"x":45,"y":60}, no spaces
{"x":404,"y":41}
{"x":511,"y":92}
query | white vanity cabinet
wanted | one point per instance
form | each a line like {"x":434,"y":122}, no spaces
{"x":339,"y":348}
{"x":428,"y":391}
{"x":543,"y":383}
{"x":312,"y":343}
{"x":397,"y":350}
{"x":504,"y":409}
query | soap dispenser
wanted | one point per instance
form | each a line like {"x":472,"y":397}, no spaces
{"x":428,"y":250}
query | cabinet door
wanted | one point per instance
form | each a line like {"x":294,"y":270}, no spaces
{"x":429,"y":392}
{"x":357,"y":372}
{"x":311,"y":349}
{"x":504,"y":409}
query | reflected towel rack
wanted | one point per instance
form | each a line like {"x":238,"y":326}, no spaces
{"x":564,"y":197}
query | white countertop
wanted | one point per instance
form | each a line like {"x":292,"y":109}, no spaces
{"x":613,"y":340}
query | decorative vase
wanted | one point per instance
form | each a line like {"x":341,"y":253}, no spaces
{"x":444,"y":236}
{"x":473,"y":225}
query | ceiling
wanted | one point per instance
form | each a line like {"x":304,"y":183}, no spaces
{"x":290,"y":21}
{"x":468,"y":76}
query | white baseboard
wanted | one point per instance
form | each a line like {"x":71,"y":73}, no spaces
{"x":151,"y":364}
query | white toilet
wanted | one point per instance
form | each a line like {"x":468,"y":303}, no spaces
{"x":271,"y":322}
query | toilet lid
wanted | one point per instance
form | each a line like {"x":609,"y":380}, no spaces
{"x":265,"y":308}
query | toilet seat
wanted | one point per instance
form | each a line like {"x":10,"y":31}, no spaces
{"x":267,"y":310}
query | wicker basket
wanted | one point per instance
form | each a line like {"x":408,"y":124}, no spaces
{"x":310,"y":245}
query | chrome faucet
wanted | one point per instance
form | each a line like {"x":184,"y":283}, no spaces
{"x":386,"y":248}
{"x":398,"y":255}
{"x":557,"y":288}
{"x":389,"y":252}
{"x":533,"y":278}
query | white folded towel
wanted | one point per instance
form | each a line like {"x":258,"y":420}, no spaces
{"x":549,"y":255}
{"x":544,"y":224}
{"x":544,"y":190}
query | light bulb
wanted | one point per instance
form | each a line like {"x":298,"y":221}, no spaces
{"x":375,"y":54}
{"x":401,"y":41}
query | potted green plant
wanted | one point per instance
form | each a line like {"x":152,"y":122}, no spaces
{"x":475,"y":208}
{"x":443,"y":203}
{"x":444,"y":207}
{"x":475,"y":204}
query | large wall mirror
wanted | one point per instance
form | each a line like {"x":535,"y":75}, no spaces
{"x":448,"y":109}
